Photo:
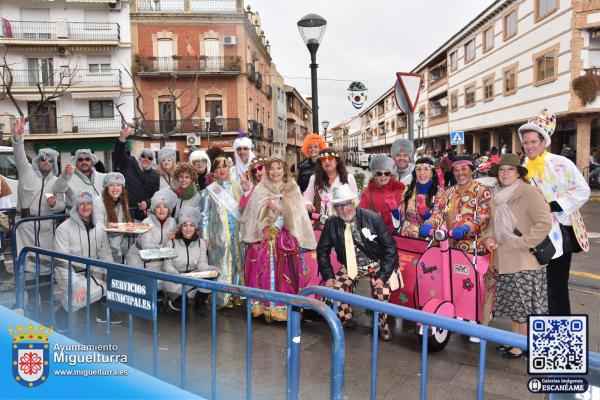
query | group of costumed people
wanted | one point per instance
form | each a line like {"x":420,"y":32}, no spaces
{"x":255,"y":225}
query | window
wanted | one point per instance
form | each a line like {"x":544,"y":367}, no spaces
{"x":470,"y":50}
{"x":470,"y":96}
{"x":438,"y":107}
{"x":453,"y":61}
{"x":488,"y":88}
{"x":101,"y":109}
{"x":454,"y":102}
{"x":545,"y":65}
{"x":510,"y":79}
{"x":99,"y":68}
{"x":510,"y":24}
{"x":543,"y":8}
{"x":488,"y":39}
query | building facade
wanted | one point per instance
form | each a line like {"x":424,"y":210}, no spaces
{"x":203,"y":70}
{"x":73,"y":52}
{"x":352,"y":141}
{"x":515,"y":58}
{"x":279,"y":114}
{"x":299,"y":124}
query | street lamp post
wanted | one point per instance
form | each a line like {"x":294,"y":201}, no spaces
{"x":312,"y":28}
{"x":325,"y":125}
{"x":219,"y":120}
{"x":420,"y":121}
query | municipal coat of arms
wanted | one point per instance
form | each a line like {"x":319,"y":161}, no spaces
{"x":30,"y":354}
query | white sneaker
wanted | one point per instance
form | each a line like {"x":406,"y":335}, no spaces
{"x":474,"y":339}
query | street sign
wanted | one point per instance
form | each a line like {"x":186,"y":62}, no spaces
{"x":457,"y":138}
{"x":130,"y":293}
{"x":401,"y":98}
{"x":411,"y":86}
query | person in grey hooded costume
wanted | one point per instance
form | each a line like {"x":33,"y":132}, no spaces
{"x":81,"y":236}
{"x":35,"y":198}
{"x":402,"y":153}
{"x":84,"y":178}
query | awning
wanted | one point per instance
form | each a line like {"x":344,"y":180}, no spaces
{"x":72,"y":145}
{"x":90,"y":1}
{"x":95,"y":95}
{"x":27,"y":97}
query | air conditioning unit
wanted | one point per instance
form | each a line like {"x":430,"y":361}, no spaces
{"x":192,"y":140}
{"x":116,"y":6}
{"x":229,"y":40}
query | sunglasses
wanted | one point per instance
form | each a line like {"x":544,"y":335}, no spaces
{"x":84,"y":159}
{"x":47,"y":159}
{"x":382,"y":173}
{"x":147,"y":157}
{"x":341,"y":206}
{"x":328,"y":158}
{"x":257,"y":168}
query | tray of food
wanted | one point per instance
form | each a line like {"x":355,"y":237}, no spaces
{"x":153,"y":254}
{"x":213,"y":273}
{"x":128,"y":227}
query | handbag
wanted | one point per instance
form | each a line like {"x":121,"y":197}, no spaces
{"x":544,"y":251}
{"x":395,"y":282}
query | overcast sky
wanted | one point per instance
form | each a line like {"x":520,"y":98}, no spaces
{"x":366,"y":40}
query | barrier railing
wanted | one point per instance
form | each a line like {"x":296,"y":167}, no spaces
{"x":428,"y":321}
{"x":293,"y":302}
{"x":13,"y":251}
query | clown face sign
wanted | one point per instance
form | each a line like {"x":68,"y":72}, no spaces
{"x":358,"y":94}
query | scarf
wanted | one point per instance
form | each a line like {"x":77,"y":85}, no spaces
{"x":424,"y":188}
{"x":187,"y":193}
{"x":504,"y":219}
{"x":85,"y":179}
{"x":536,"y":166}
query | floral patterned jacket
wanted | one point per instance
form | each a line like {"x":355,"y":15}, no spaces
{"x":412,"y":219}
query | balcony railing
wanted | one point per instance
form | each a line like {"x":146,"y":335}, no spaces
{"x":81,"y":78}
{"x":71,"y":124}
{"x":269,"y":136}
{"x":46,"y":30}
{"x":592,"y":71}
{"x":438,"y":112}
{"x":258,"y":80}
{"x":213,"y":6}
{"x":160,"y":5}
{"x":189,"y":125}
{"x":202,"y":64}
{"x":438,"y":72}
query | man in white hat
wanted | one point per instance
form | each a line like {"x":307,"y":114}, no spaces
{"x":81,"y":178}
{"x":364,"y":247}
{"x":35,"y":198}
{"x":242,"y":146}
{"x":566,"y":190}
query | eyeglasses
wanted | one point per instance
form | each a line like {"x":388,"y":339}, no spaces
{"x":341,"y":206}
{"x":47,"y":159}
{"x":84,"y":159}
{"x":383,"y":173}
{"x":257,"y":168}
{"x":328,"y":158}
{"x":147,"y":157}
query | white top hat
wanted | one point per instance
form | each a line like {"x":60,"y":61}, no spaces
{"x":342,"y":194}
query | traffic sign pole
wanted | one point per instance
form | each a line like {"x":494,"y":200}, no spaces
{"x":411,"y":126}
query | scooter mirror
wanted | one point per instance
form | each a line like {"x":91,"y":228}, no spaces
{"x":440,"y":235}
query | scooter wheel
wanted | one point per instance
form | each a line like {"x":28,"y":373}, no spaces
{"x":436,"y":341}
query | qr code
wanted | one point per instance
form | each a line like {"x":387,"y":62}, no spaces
{"x":558,"y":344}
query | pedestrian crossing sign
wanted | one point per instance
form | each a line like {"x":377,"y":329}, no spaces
{"x":457,"y":138}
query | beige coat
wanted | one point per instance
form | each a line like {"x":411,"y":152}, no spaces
{"x":257,"y":215}
{"x":533,"y":221}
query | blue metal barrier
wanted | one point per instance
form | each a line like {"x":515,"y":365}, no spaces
{"x":428,"y":320}
{"x":294,"y":303}
{"x":13,"y":252}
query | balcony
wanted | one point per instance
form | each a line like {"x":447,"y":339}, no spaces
{"x":437,"y":74}
{"x":269,"y":91}
{"x":69,"y":124}
{"x":269,"y":136}
{"x":157,"y":127}
{"x":81,"y":78}
{"x":258,"y":80}
{"x":58,"y":33}
{"x":213,"y":6}
{"x":252,"y":126}
{"x":160,"y":5}
{"x":250,"y":72}
{"x":203,"y":65}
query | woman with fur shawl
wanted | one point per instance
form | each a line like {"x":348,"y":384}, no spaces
{"x":278,"y":232}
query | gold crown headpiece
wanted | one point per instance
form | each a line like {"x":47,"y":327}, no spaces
{"x":258,"y":160}
{"x":21,"y":333}
{"x":329,"y":154}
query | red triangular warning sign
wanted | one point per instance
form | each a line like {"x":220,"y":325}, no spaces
{"x":411,"y":86}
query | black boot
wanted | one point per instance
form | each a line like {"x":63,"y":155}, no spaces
{"x":101,"y":313}
{"x":174,"y":304}
{"x":5,"y":276}
{"x":200,"y":304}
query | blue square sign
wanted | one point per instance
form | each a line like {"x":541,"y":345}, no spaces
{"x":457,"y":138}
